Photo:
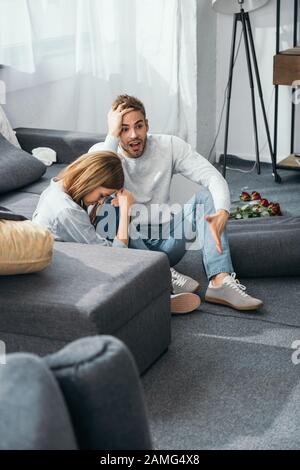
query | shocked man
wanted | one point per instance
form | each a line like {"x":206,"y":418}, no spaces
{"x":149,"y":163}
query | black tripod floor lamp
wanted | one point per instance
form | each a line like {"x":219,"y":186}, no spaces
{"x":240,"y":9}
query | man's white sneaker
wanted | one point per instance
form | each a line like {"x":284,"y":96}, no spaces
{"x":182,"y":283}
{"x":184,"y":303}
{"x":232,"y":294}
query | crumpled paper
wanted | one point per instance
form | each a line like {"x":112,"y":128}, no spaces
{"x":45,"y":155}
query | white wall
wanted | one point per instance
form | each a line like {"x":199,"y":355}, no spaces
{"x":241,"y":140}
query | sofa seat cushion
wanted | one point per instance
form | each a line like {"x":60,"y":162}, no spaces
{"x":39,"y":186}
{"x":17,"y":168}
{"x":87,"y":289}
{"x":25,"y":200}
{"x":20,"y":202}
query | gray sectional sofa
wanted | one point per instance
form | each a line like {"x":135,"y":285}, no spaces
{"x":90,"y":290}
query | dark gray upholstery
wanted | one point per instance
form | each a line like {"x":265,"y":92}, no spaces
{"x":6,"y":214}
{"x":25,"y":200}
{"x":100,"y":383}
{"x":266,"y":247}
{"x":32,"y":408}
{"x":20,"y":202}
{"x":262,"y":247}
{"x":89,"y":290}
{"x":67,"y":144}
{"x":39,"y":186}
{"x":17,"y":168}
{"x":87,"y":396}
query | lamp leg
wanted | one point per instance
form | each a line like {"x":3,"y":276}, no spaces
{"x":260,"y":92}
{"x":277,"y":178}
{"x":229,"y":85}
{"x":293,"y":122}
{"x":242,"y":15}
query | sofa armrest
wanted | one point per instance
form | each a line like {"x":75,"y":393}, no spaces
{"x":101,"y":386}
{"x":68,"y":144}
{"x":33,"y":412}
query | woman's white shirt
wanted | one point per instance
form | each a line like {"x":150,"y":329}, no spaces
{"x":66,"y":220}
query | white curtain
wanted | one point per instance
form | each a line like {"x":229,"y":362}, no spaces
{"x":83,"y":53}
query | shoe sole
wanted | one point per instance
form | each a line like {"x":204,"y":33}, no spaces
{"x":184,"y":303}
{"x":228,"y":304}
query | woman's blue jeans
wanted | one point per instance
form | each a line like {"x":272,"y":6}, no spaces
{"x":188,"y":230}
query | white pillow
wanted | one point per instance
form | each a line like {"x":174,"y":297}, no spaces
{"x":6,"y":130}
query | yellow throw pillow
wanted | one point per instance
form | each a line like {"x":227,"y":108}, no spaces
{"x":25,"y":247}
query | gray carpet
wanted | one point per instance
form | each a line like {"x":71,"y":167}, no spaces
{"x":227,"y":380}
{"x":225,"y":383}
{"x":287,"y":193}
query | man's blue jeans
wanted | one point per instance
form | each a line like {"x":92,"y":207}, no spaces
{"x":188,"y":230}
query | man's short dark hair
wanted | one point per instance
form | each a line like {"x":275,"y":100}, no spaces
{"x":129,"y":102}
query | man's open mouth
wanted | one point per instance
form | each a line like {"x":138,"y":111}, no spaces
{"x":135,"y":146}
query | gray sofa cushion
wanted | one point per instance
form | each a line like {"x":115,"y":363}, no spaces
{"x":39,"y":186}
{"x":17,"y":168}
{"x":25,"y":200}
{"x":20,"y":202}
{"x":32,"y":408}
{"x":87,"y":289}
{"x":101,"y":386}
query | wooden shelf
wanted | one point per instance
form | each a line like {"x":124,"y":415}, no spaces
{"x":292,"y":162}
{"x":287,"y":67}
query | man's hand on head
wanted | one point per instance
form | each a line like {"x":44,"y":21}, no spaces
{"x":217,"y":223}
{"x":115,"y":119}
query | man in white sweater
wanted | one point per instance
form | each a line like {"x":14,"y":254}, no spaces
{"x":149,"y":162}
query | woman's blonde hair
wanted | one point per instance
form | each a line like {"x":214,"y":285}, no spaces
{"x":90,"y":171}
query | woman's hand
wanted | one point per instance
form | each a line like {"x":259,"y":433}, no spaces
{"x":115,"y":119}
{"x":217,"y":223}
{"x":123,"y":199}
